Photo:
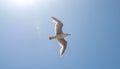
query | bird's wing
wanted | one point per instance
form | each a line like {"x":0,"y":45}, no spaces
{"x":63,"y":44}
{"x":58,"y":25}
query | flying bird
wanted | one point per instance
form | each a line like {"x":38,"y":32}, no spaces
{"x":59,"y":35}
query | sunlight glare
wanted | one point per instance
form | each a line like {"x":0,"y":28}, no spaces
{"x":23,"y":2}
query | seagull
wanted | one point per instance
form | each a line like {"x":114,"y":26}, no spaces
{"x":59,"y":35}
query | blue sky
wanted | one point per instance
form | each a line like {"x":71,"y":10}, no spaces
{"x":94,"y":26}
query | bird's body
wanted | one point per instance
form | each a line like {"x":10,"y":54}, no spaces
{"x":59,"y":35}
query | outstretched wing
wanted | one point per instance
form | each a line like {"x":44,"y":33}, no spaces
{"x":63,"y":44}
{"x":58,"y":25}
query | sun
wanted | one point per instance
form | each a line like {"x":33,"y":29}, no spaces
{"x":23,"y":2}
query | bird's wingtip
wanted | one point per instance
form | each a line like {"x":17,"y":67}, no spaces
{"x":61,"y":55}
{"x":52,"y":17}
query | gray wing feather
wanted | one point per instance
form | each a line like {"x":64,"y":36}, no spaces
{"x":63,"y":44}
{"x":58,"y":25}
